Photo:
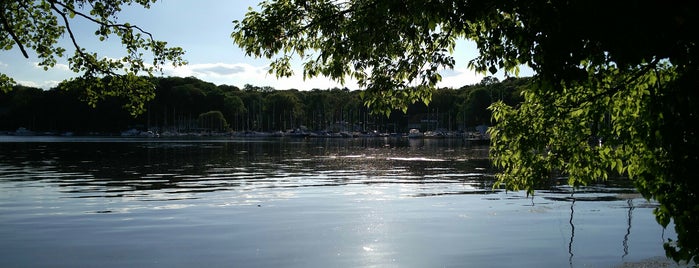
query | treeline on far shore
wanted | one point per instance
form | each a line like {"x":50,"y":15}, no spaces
{"x":190,"y":105}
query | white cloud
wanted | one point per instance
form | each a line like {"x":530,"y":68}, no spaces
{"x":239,"y":74}
{"x":459,"y":77}
{"x":47,"y":84}
{"x":57,"y":67}
{"x":62,"y":67}
{"x":202,"y":70}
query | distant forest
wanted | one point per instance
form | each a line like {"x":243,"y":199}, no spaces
{"x":187,"y":105}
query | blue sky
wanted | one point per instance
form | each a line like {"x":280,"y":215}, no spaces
{"x":202,"y":28}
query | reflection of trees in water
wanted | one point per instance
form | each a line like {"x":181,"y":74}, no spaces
{"x":625,"y":242}
{"x":572,"y":230}
{"x":628,"y":229}
{"x":132,"y":167}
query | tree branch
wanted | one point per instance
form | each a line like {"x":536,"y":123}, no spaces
{"x":612,"y":90}
{"x":329,"y":17}
{"x":8,"y":28}
{"x":124,"y":26}
{"x":78,"y":49}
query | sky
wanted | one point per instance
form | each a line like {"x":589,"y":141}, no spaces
{"x":202,"y":28}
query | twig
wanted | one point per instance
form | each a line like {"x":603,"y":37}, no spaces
{"x":78,"y":49}
{"x":98,"y":21}
{"x":324,"y":19}
{"x":8,"y":28}
{"x":611,"y":90}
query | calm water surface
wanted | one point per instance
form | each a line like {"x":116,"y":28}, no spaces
{"x":88,"y":202}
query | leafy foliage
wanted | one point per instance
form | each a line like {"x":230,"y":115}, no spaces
{"x":356,"y":39}
{"x":615,"y":91}
{"x":213,"y":121}
{"x":38,"y":26}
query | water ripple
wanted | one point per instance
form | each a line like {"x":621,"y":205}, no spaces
{"x":184,"y":171}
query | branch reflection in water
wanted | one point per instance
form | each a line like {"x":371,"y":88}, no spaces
{"x":628,"y":229}
{"x":572,"y":230}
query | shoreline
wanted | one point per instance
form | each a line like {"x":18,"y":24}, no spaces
{"x":653,"y":262}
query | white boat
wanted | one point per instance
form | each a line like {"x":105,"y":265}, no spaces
{"x":415,"y":133}
{"x":24,"y":132}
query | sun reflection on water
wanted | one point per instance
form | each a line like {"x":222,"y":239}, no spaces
{"x":300,"y":204}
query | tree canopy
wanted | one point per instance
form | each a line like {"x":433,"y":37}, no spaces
{"x":178,"y":101}
{"x":37,"y":26}
{"x":615,"y":91}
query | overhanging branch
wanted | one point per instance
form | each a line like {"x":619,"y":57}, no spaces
{"x":78,"y":49}
{"x":110,"y":25}
{"x":8,"y":28}
{"x":329,"y":18}
{"x":610,"y":91}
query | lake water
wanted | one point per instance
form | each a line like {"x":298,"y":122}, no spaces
{"x":102,"y":202}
